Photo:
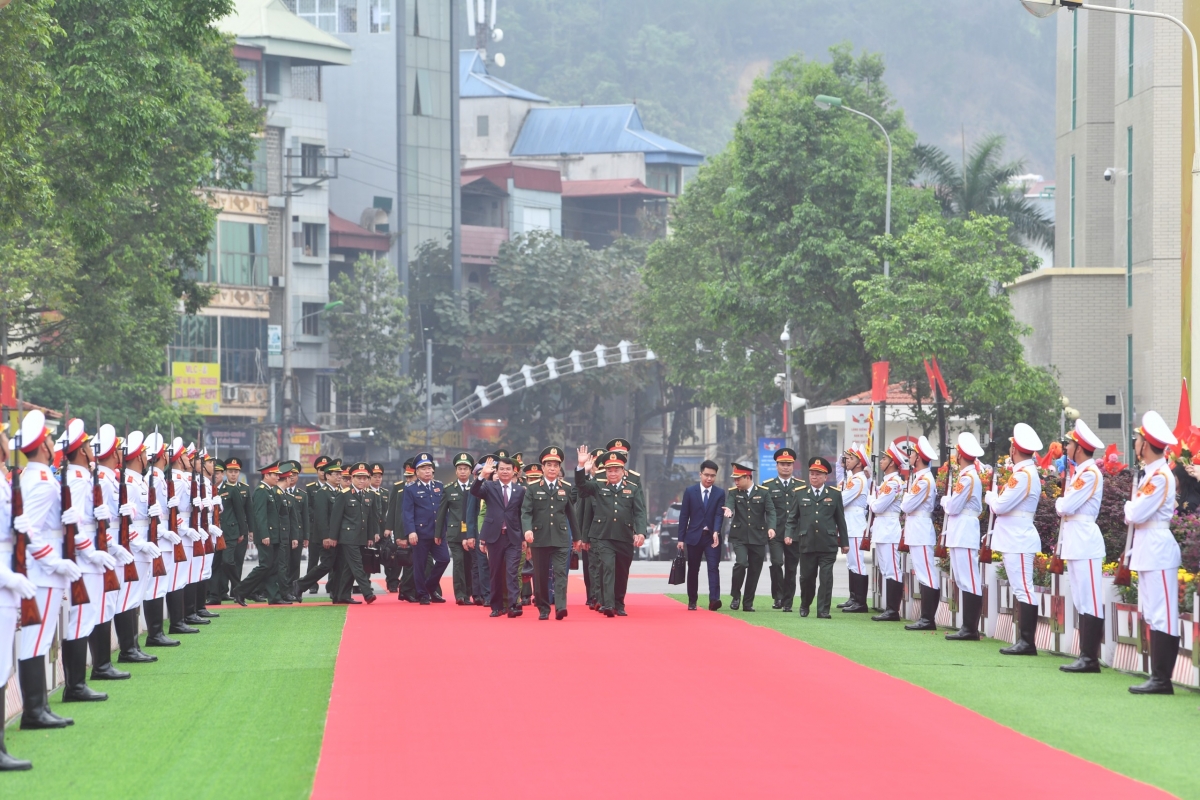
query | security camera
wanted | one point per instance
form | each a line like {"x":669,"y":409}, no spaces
{"x":1108,"y":173}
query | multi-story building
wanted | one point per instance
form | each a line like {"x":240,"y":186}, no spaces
{"x":1107,"y":315}
{"x":260,"y":340}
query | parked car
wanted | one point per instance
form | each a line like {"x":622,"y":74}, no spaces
{"x":668,"y":532}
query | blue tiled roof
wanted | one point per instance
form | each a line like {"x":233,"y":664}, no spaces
{"x":474,"y":80}
{"x":597,"y":129}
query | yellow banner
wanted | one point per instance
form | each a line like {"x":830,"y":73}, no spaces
{"x":193,"y":382}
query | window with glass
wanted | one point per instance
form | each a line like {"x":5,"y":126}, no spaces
{"x":324,"y":394}
{"x":258,"y":168}
{"x":250,"y":82}
{"x":310,"y":318}
{"x":272,"y":82}
{"x":243,"y":350}
{"x":663,"y":177}
{"x":311,"y":158}
{"x":195,"y":340}
{"x":380,"y":13}
{"x":1071,"y":221}
{"x":1074,"y":66}
{"x":333,"y":16}
{"x":481,"y":125}
{"x":310,"y":239}
{"x":1131,"y":19}
{"x":238,"y":255}
{"x":306,"y":83}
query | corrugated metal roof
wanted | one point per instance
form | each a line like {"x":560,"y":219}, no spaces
{"x":270,"y":25}
{"x":576,"y":130}
{"x":474,"y":81}
{"x":620,"y":187}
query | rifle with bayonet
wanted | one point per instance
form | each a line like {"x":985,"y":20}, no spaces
{"x":79,"y":592}
{"x":30,"y":615}
{"x":111,"y":584}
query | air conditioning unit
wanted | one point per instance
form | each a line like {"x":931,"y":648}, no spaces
{"x":229,"y":393}
{"x":278,"y":281}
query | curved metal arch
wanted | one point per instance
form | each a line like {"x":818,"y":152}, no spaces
{"x":553,"y":368}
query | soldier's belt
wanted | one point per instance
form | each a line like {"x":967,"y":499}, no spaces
{"x":918,"y":515}
{"x":888,"y":515}
{"x":6,"y":548}
{"x":141,"y":525}
{"x":1079,"y":518}
{"x":87,"y":527}
{"x":53,"y":533}
{"x":1146,"y":528}
{"x":1018,"y":515}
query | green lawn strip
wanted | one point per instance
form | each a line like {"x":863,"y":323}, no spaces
{"x":1152,"y":739}
{"x":237,"y":710}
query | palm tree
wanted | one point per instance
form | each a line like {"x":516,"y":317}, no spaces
{"x":984,"y":185}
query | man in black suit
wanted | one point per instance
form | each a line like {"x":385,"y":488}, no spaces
{"x":500,"y":536}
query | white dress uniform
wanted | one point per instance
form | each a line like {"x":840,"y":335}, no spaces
{"x":183,"y":504}
{"x":13,"y":586}
{"x":963,"y":505}
{"x":855,"y":497}
{"x":1082,"y":542}
{"x":1155,"y":555}
{"x":91,"y":561}
{"x":111,"y":514}
{"x":885,"y":528}
{"x":917,"y":505}
{"x":144,"y":551}
{"x":167,"y":540}
{"x":49,"y":571}
{"x":210,"y":530}
{"x":1014,"y":534}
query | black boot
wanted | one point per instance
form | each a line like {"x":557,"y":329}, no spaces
{"x":37,"y":714}
{"x":126,"y":624}
{"x":972,"y":605}
{"x":776,"y":586}
{"x":154,"y":625}
{"x":1091,"y":634}
{"x":929,"y":604}
{"x":100,"y":642}
{"x":202,"y":601}
{"x":190,"y":606}
{"x":1026,"y":621}
{"x":850,"y":601}
{"x":7,"y":762}
{"x":895,"y":595}
{"x":175,"y":611}
{"x":75,"y":688}
{"x":859,"y":585}
{"x":1163,"y":650}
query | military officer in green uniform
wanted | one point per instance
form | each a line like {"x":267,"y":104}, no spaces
{"x":451,"y":524}
{"x":618,"y":524}
{"x":310,"y":496}
{"x":265,"y":505}
{"x":785,"y":558}
{"x":399,"y":578}
{"x":352,"y":522}
{"x":302,"y":523}
{"x":818,"y":524}
{"x":751,"y":512}
{"x":549,"y":522}
{"x":591,"y":565}
{"x":235,"y":526}
{"x":288,"y":535}
{"x":327,"y":561}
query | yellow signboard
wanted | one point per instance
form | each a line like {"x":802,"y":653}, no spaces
{"x":197,"y":383}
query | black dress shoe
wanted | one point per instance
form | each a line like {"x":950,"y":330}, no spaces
{"x":776,"y":605}
{"x":608,"y":612}
{"x":786,"y":609}
{"x":436,"y":598}
{"x":526,"y":601}
{"x":478,"y":601}
{"x":691,"y":606}
{"x":544,"y":614}
{"x":825,"y":615}
{"x":560,"y":614}
{"x":425,"y":601}
{"x":888,"y":615}
{"x":496,"y":613}
{"x":352,"y":602}
{"x":803,"y":611}
{"x":241,"y":601}
{"x":196,"y":619}
{"x":279,"y":602}
{"x":748,"y":609}
{"x":313,"y":590}
{"x":291,"y":598}
{"x":182,"y":628}
{"x":965,"y":634}
{"x":204,"y":612}
{"x":369,"y":599}
{"x":848,"y":602}
{"x":735,"y":604}
{"x":409,"y":598}
{"x":225,"y":597}
{"x":515,"y":612}
{"x":160,"y":640}
{"x":621,"y":612}
{"x":340,"y":602}
{"x":1083,"y":664}
{"x":458,"y":601}
{"x":714,"y":605}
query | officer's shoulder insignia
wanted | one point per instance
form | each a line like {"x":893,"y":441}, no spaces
{"x":634,"y":474}
{"x":564,"y":483}
{"x":1078,"y":484}
{"x":1012,"y":482}
{"x":886,"y":488}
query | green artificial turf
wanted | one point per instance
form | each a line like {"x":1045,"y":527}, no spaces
{"x":236,"y":711}
{"x":1150,"y":738}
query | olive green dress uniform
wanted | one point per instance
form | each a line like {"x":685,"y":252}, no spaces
{"x":287,"y":535}
{"x":591,"y":565}
{"x":550,"y":514}
{"x":818,"y":522}
{"x":451,"y":522}
{"x":785,"y":499}
{"x":753,"y":516}
{"x":314,"y":543}
{"x":235,"y":525}
{"x":301,"y":525}
{"x":327,"y":562}
{"x":351,"y":522}
{"x":619,"y":514}
{"x":265,"y":505}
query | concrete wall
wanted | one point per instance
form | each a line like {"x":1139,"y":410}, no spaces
{"x":505,"y":117}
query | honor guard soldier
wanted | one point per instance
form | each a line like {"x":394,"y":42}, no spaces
{"x":919,"y":535}
{"x":136,"y":596}
{"x":42,"y":523}
{"x":299,"y":506}
{"x":14,"y":587}
{"x":618,"y":526}
{"x":327,"y":562}
{"x":184,"y":498}
{"x":310,"y":491}
{"x":235,"y":524}
{"x":421,"y":501}
{"x":1015,"y":535}
{"x":265,"y":511}
{"x":104,"y":456}
{"x":351,"y":519}
{"x":170,"y":589}
{"x":548,"y":518}
{"x":963,"y":504}
{"x":818,"y":524}
{"x":752,"y":525}
{"x":1082,"y":544}
{"x":451,"y":525}
{"x":79,"y":521}
{"x":785,"y":556}
{"x":209,"y":532}
{"x":855,"y":494}
{"x":1155,"y":555}
{"x":885,"y":530}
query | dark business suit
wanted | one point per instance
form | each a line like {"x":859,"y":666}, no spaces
{"x":481,"y":577}
{"x":419,"y":514}
{"x":697,"y":522}
{"x":502,"y":534}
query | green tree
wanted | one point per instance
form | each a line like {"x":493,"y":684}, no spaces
{"x":943,"y":299}
{"x":27,"y":30}
{"x":983,"y":184}
{"x":369,"y":334}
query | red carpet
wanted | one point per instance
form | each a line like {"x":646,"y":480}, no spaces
{"x":445,"y":702}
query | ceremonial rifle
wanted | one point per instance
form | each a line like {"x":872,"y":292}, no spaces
{"x":1056,"y":562}
{"x":195,"y":521}
{"x":940,"y":550}
{"x":111,"y":584}
{"x":30,"y":615}
{"x":902,"y":547}
{"x":160,"y":566}
{"x":985,"y":547}
{"x":79,"y":593}
{"x":216,"y":513}
{"x":865,"y":544}
{"x":1124,"y":576}
{"x":131,"y":573}
{"x":206,"y":545}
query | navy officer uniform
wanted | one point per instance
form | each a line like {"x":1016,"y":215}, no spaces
{"x":421,"y":500}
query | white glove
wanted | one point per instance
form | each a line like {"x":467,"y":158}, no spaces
{"x":102,"y":513}
{"x":67,"y":569}
{"x":944,"y":501}
{"x":21,"y":523}
{"x":173,"y":502}
{"x":218,"y":502}
{"x":173,"y":538}
{"x":100,"y":558}
{"x":154,"y":510}
{"x":70,"y":517}
{"x":214,"y":530}
{"x":126,"y":510}
{"x":120,"y":554}
{"x":17,"y":583}
{"x":990,"y":498}
{"x":147,"y":549}
{"x":1058,"y":505}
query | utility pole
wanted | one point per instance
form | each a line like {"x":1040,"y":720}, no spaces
{"x":428,"y":393}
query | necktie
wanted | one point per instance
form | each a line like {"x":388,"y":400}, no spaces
{"x":506,"y":494}
{"x":705,"y":497}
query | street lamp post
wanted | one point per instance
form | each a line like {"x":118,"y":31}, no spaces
{"x":1044,"y":8}
{"x":785,"y":339}
{"x":825,"y":101}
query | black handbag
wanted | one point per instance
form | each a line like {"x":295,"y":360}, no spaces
{"x":678,"y":570}
{"x":574,"y":561}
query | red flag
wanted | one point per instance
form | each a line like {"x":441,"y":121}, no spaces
{"x":879,"y":382}
{"x":929,"y":376}
{"x":937,"y":373}
{"x":1183,"y":421}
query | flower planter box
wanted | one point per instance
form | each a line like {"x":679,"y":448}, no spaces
{"x":1045,"y":635}
{"x":1186,"y":665}
{"x":950,"y":604}
{"x":1005,"y":630}
{"x":878,"y":590}
{"x":988,"y":615}
{"x":1128,"y":629}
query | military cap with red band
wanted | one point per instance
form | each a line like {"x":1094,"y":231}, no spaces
{"x":613,"y":458}
{"x":785,"y":455}
{"x":1155,"y":431}
{"x":741,"y":470}
{"x":360,"y":468}
{"x":819,"y":464}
